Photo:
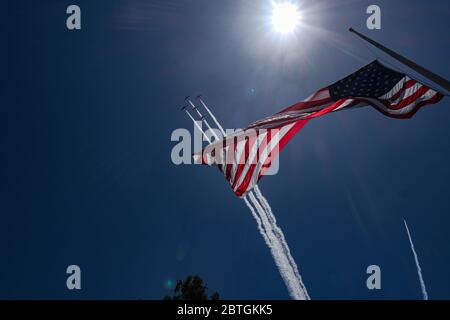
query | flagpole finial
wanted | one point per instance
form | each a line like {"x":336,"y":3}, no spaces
{"x":351,"y":29}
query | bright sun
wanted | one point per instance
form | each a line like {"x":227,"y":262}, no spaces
{"x":285,"y":17}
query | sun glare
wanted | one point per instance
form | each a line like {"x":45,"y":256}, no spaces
{"x":285,"y":17}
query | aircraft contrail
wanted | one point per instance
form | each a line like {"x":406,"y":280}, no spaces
{"x":419,"y":270}
{"x":277,"y":229}
{"x":287,"y":271}
{"x":258,"y":222}
{"x":271,"y":241}
{"x":280,"y":235}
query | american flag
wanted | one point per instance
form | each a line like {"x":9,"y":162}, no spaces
{"x":245,"y":156}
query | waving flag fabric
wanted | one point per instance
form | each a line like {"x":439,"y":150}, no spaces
{"x":245,"y":156}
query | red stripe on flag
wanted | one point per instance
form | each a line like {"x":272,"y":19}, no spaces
{"x":407,"y":101}
{"x":243,"y":160}
{"x":242,"y":188}
{"x":408,"y":84}
{"x":283,"y":141}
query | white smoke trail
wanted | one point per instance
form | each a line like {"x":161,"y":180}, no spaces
{"x":419,"y":270}
{"x":280,"y":235}
{"x":212,"y":116}
{"x":258,"y":222}
{"x":295,"y":287}
{"x":277,"y":229}
{"x":276,"y":251}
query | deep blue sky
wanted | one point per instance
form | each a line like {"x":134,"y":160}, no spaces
{"x":86,"y":176}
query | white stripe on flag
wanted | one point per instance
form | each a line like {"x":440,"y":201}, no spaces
{"x":273,"y":143}
{"x":395,"y":89}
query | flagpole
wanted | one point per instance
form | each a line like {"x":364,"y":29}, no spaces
{"x":444,"y":83}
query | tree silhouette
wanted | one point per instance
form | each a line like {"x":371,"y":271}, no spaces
{"x":193,"y":288}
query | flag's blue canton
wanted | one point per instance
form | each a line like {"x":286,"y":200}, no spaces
{"x":373,"y":81}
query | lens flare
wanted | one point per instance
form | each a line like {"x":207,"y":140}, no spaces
{"x":169,"y":284}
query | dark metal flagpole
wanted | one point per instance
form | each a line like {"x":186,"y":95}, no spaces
{"x":424,"y":72}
